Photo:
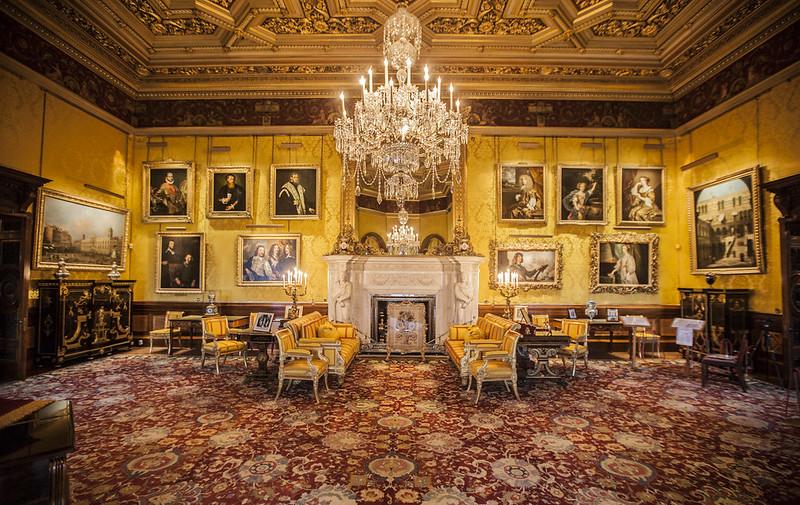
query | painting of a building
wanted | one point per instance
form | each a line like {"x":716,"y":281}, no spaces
{"x":724,"y":225}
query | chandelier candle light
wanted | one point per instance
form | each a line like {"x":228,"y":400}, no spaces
{"x":398,"y":128}
{"x":295,"y":285}
{"x":403,"y":241}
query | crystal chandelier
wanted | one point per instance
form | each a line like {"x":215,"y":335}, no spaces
{"x":408,"y":136}
{"x":402,"y":239}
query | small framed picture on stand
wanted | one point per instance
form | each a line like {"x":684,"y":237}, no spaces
{"x":612,"y":315}
{"x":572,"y":314}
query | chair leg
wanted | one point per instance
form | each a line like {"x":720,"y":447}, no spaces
{"x":216,"y":361}
{"x":514,"y":387}
{"x":505,"y":383}
{"x":202,"y":358}
{"x":151,"y":344}
{"x":316,"y":394}
{"x":326,"y":382}
{"x":740,"y":374}
{"x":280,"y":387}
{"x":478,"y":393}
{"x":469,"y":384}
{"x":244,"y":356}
{"x":586,"y":360}
{"x":574,"y":363}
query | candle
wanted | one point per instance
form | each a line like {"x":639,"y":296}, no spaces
{"x":451,"y":97}
{"x":385,"y":71}
{"x":439,"y":87}
{"x":426,"y":77}
{"x":408,"y":69}
{"x":344,"y":111}
{"x":500,"y":278}
{"x":363,"y":83}
{"x":370,"y":79}
{"x":458,"y":108}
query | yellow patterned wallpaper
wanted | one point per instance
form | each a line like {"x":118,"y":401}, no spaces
{"x":42,"y":134}
{"x":483,"y":155}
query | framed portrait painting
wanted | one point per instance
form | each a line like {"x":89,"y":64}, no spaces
{"x":168,"y":192}
{"x":262,"y":260}
{"x":581,"y":194}
{"x":725,"y":225}
{"x":640,"y":196}
{"x":295,"y":192}
{"x":624,"y":263}
{"x":521,"y":193}
{"x":181,"y":262}
{"x":230,"y":192}
{"x":88,"y":235}
{"x":263,"y":322}
{"x":537,"y":263}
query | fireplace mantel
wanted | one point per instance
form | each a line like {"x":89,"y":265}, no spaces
{"x":354,"y":280}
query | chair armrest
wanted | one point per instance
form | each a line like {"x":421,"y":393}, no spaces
{"x":299,"y":353}
{"x":317,"y":341}
{"x":487,"y":355}
{"x":458,"y":332}
{"x":345,"y":330}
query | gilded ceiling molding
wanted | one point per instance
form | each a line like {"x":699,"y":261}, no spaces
{"x":163,"y":25}
{"x":488,"y":21}
{"x":225,"y":4}
{"x":318,"y":20}
{"x":647,"y":27}
{"x":585,"y":4}
{"x":100,"y":38}
{"x":744,"y":13}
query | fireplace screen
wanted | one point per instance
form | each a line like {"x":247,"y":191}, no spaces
{"x":402,"y":323}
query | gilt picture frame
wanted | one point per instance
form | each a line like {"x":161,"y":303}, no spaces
{"x":623,"y":263}
{"x":263,"y":259}
{"x":168,"y":195}
{"x":229,"y":192}
{"x":175,"y":273}
{"x":582,"y":194}
{"x":89,"y":235}
{"x":295,"y":191}
{"x":640,"y":196}
{"x":522,"y":193}
{"x":539,"y":263}
{"x":725,"y":224}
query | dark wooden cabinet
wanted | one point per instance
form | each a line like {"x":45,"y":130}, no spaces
{"x":82,"y":318}
{"x":723,"y":310}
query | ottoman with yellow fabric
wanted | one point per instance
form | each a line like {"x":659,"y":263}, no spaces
{"x":339,"y":342}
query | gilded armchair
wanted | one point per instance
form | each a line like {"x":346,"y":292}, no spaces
{"x":295,"y":363}
{"x":166,"y":332}
{"x":496,"y":365}
{"x":578,"y":332}
{"x":217,"y":341}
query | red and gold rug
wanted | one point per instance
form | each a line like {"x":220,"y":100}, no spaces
{"x":159,"y":430}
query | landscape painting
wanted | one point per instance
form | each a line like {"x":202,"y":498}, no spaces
{"x":88,"y":235}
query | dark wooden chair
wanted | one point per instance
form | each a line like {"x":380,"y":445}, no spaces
{"x":794,"y":380}
{"x":734,"y":364}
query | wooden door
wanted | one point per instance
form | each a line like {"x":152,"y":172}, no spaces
{"x":13,"y":291}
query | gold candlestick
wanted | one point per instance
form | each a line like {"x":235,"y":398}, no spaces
{"x":295,"y":285}
{"x":508,"y":287}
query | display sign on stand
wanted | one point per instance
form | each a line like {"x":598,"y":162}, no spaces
{"x":633,"y":322}
{"x":684,"y":335}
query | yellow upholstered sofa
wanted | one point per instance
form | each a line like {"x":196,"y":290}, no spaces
{"x":464,"y":340}
{"x":340,"y":347}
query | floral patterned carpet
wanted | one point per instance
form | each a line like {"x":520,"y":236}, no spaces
{"x":152,"y":429}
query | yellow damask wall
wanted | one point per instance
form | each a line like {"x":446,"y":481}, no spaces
{"x":765,"y":132}
{"x":44,"y":135}
{"x":484,"y":153}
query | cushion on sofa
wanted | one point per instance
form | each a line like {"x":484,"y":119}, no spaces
{"x":327,"y":330}
{"x":475,"y":332}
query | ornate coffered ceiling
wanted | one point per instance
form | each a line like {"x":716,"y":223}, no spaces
{"x":648,"y":50}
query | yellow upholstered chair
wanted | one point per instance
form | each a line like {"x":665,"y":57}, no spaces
{"x":646,"y":336}
{"x":338,"y":341}
{"x":464,"y":340}
{"x":496,"y":365}
{"x":541,"y":322}
{"x":579,"y":346}
{"x":296,"y":363}
{"x":217,"y":341}
{"x":164,"y":333}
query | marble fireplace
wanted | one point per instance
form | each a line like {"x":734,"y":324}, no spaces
{"x":355,"y":281}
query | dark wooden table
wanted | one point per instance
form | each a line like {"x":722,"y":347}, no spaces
{"x":264,"y":342}
{"x":536,"y":348}
{"x":601,"y":326}
{"x":196,"y":321}
{"x":33,"y":456}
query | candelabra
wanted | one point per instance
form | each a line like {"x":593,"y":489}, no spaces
{"x":295,"y":285}
{"x":508,"y":287}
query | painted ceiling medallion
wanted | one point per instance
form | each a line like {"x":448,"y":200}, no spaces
{"x":488,"y":21}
